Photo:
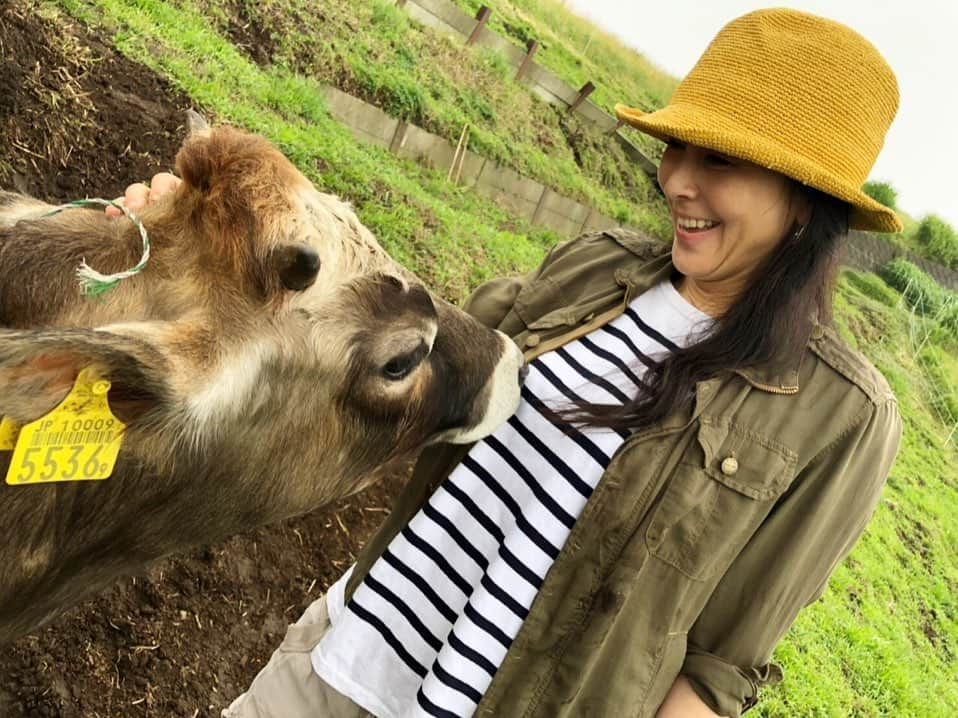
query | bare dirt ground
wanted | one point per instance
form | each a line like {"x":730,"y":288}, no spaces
{"x":77,"y":119}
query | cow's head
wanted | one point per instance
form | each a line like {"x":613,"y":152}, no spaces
{"x":280,"y":310}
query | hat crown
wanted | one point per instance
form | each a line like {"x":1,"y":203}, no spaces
{"x":814,"y":86}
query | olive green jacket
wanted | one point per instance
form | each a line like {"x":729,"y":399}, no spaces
{"x":707,"y":533}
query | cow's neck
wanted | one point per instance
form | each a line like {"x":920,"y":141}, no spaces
{"x":75,"y":539}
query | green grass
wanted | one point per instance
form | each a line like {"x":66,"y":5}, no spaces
{"x":930,"y":238}
{"x":882,"y":192}
{"x":372,"y":49}
{"x":451,"y":238}
{"x":939,"y":240}
{"x":884,"y":639}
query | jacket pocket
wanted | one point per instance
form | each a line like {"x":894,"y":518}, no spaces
{"x":722,"y":488}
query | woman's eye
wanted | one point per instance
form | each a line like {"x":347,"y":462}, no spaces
{"x":718,"y":161}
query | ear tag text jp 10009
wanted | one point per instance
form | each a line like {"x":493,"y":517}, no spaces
{"x":78,"y":441}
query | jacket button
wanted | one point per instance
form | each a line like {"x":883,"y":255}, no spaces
{"x":532,"y":340}
{"x":729,"y":466}
{"x":818,"y":332}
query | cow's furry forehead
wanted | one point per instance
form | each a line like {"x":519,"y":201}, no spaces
{"x":228,"y":157}
{"x":245,"y":179}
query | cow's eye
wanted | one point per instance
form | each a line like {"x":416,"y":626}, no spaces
{"x":397,"y":369}
{"x":401,"y":366}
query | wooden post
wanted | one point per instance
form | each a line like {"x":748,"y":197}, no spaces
{"x":531,"y":48}
{"x":585,"y":50}
{"x":542,"y":198}
{"x":585,"y":222}
{"x":618,"y":126}
{"x":462,"y":157}
{"x":587,"y":89}
{"x":399,"y":137}
{"x":455,"y":156}
{"x":483,"y":17}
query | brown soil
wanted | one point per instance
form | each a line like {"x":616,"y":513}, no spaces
{"x":76,"y":119}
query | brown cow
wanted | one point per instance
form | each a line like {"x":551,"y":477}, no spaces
{"x":270,"y":359}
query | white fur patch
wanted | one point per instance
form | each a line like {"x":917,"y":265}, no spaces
{"x":503,"y":396}
{"x":229,"y":389}
{"x":25,"y":208}
{"x":232,"y":388}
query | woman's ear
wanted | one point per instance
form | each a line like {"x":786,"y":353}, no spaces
{"x":801,"y":205}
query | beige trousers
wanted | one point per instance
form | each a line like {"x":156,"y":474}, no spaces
{"x":287,"y":687}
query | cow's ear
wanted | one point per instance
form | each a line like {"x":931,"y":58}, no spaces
{"x":194,"y":162}
{"x":296,"y":265}
{"x":39,"y":367}
{"x":196,"y":124}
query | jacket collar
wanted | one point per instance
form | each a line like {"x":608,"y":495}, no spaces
{"x":780,"y":378}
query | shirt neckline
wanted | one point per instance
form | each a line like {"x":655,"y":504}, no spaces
{"x":681,"y":304}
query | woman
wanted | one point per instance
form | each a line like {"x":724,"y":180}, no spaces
{"x":696,"y":449}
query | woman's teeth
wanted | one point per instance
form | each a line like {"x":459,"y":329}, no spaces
{"x":695,"y":224}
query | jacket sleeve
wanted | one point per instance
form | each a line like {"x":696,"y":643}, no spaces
{"x":786,"y":564}
{"x":492,"y":301}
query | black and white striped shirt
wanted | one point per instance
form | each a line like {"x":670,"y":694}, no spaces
{"x":429,"y":626}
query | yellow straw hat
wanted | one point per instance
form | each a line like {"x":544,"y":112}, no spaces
{"x":796,"y":93}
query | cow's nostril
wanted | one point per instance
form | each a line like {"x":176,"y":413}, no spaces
{"x":523,"y":373}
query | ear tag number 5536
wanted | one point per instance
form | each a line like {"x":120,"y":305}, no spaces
{"x":78,"y":441}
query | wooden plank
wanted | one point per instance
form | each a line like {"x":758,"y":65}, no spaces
{"x":399,"y":137}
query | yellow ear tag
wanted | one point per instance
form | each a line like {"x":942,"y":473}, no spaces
{"x":77,"y":441}
{"x":8,"y":433}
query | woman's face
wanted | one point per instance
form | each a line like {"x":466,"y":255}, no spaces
{"x":727,"y":214}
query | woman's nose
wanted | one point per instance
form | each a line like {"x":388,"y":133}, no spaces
{"x":678,"y":176}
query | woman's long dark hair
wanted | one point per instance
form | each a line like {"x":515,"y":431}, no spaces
{"x":768,"y":323}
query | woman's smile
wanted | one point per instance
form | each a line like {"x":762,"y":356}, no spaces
{"x":688,"y":229}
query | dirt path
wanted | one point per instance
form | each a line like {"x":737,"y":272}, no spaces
{"x":76,"y":119}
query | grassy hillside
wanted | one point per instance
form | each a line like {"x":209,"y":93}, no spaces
{"x":579,"y":52}
{"x":373,"y":50}
{"x":884,"y":639}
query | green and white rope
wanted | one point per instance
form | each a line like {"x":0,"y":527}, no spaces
{"x":92,"y":282}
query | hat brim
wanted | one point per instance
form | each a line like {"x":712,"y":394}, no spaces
{"x":703,"y":128}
